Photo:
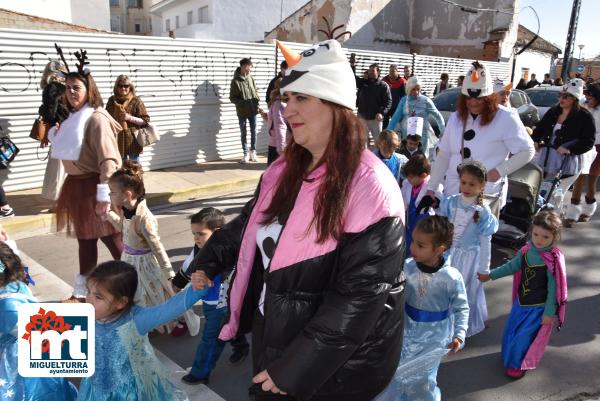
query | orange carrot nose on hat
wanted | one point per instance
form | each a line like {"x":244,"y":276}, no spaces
{"x":322,"y":71}
{"x":291,"y":57}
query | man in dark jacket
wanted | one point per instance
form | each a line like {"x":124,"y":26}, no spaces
{"x":533,"y":83}
{"x":244,"y":95}
{"x":374,"y":101}
{"x":283,"y":67}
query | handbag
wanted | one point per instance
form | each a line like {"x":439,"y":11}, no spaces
{"x":39,"y":130}
{"x":147,"y":135}
{"x":8,"y":152}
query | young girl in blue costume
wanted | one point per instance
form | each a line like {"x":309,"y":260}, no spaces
{"x":474,"y":225}
{"x":436,"y":313}
{"x":13,"y":293}
{"x":539,"y":294}
{"x":126,"y":367}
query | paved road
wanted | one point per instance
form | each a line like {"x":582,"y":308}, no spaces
{"x":570,"y":369}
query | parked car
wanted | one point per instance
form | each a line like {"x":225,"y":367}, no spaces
{"x":544,"y":97}
{"x":445,"y":102}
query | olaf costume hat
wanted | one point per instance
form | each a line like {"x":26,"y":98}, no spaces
{"x":478,"y":82}
{"x":574,"y":87}
{"x":321,"y":71}
{"x":500,"y":86}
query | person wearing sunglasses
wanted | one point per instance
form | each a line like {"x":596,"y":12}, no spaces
{"x":567,"y":130}
{"x":130,"y":112}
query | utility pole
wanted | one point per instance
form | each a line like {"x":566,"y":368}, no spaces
{"x":570,"y":46}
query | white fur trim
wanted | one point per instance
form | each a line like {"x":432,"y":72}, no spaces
{"x":573,"y":211}
{"x":589,"y":209}
{"x":102,"y":193}
{"x":79,"y":287}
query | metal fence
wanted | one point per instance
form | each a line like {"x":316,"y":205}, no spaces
{"x":184,"y":84}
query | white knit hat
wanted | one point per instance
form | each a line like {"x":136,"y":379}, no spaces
{"x":500,"y":86}
{"x":478,"y":82}
{"x":411,"y":83}
{"x":574,"y":87}
{"x":321,"y":71}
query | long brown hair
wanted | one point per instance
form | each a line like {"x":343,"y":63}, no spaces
{"x":93,"y":94}
{"x":341,"y":159}
{"x":489,"y":109}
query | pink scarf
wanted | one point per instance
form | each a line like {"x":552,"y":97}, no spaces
{"x":555,"y":262}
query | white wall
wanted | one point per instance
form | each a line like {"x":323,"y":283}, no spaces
{"x":238,"y":20}
{"x":537,"y":62}
{"x":90,"y":13}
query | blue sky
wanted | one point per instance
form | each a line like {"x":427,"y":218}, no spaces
{"x":554,"y":23}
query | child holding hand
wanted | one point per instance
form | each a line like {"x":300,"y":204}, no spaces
{"x":142,"y":246}
{"x":436,"y":312}
{"x":126,"y":366}
{"x":539,"y":294}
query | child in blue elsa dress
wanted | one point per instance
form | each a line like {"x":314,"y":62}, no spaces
{"x":13,"y":293}
{"x":436,"y":313}
{"x":126,"y":367}
{"x":474,"y":225}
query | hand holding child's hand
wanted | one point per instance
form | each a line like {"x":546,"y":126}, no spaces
{"x":102,"y":209}
{"x":455,"y":345}
{"x":547,"y":320}
{"x":200,"y":280}
{"x":267,"y":383}
{"x":483,"y":277}
{"x":175,"y":288}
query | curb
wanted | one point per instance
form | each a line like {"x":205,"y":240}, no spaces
{"x":47,"y":221}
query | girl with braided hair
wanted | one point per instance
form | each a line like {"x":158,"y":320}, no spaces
{"x":142,"y":247}
{"x":474,"y":225}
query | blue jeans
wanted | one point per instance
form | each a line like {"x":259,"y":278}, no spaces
{"x":242,"y":121}
{"x":132,"y":156}
{"x":210,"y":346}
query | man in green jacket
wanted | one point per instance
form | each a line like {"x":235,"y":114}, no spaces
{"x":244,"y":95}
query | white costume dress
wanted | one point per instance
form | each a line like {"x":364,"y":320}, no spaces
{"x":471,"y":251}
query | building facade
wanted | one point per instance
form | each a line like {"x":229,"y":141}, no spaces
{"x":131,"y":17}
{"x":428,"y":27}
{"x":237,"y":20}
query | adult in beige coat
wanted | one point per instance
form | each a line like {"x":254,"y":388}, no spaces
{"x":86,"y":144}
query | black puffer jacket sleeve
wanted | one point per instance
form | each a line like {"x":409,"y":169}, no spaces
{"x":219,"y":254}
{"x":368,"y":266}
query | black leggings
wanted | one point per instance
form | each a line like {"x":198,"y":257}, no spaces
{"x":3,"y":200}
{"x":88,"y":251}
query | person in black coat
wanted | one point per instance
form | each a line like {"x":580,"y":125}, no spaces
{"x":566,"y":131}
{"x":318,"y":251}
{"x":374,"y":101}
{"x":283,"y":68}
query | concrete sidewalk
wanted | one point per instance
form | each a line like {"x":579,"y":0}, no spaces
{"x":165,"y":186}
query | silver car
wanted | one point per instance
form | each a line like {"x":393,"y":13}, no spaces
{"x":544,"y":97}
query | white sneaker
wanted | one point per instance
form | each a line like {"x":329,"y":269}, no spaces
{"x":253,"y":156}
{"x":245,"y":159}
